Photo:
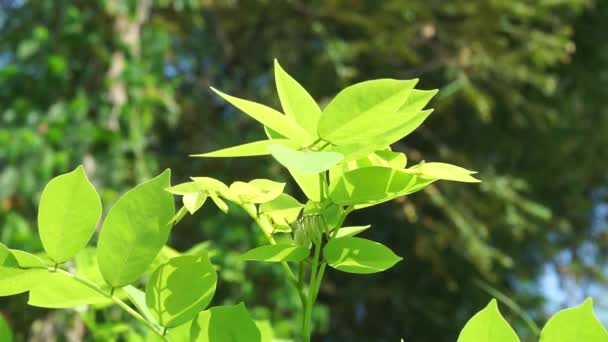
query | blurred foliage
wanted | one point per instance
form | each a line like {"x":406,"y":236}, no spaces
{"x":122,"y":87}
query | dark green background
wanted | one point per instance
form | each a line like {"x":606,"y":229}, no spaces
{"x":123,"y":88}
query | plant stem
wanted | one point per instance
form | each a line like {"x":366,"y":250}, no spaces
{"x":307,"y":320}
{"x":266,"y":228}
{"x":115,"y":299}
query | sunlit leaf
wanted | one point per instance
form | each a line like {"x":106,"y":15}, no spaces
{"x":364,"y":110}
{"x":305,"y":163}
{"x":225,"y":323}
{"x":357,"y":255}
{"x":271,"y":118}
{"x":296,"y":101}
{"x":257,"y":190}
{"x":135,"y":230}
{"x":277,"y":253}
{"x":68,"y":214}
{"x":257,"y":148}
{"x":351,"y":231}
{"x":575,"y":324}
{"x":178,"y":290}
{"x":488,"y":325}
{"x":283,"y":210}
{"x":138,"y":298}
{"x":373,"y":185}
{"x":446,"y":172}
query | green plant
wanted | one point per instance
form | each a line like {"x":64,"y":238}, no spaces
{"x":342,"y":161}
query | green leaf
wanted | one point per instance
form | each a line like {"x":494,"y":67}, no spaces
{"x":575,"y":324}
{"x":373,"y":185}
{"x":408,"y":123}
{"x":266,"y":332}
{"x":305,"y":163}
{"x":277,"y":253}
{"x":488,"y":325}
{"x":417,"y":100}
{"x":225,"y":323}
{"x":178,"y":290}
{"x":68,"y":214}
{"x":27,"y":260}
{"x":357,"y":255}
{"x":58,"y":290}
{"x":257,"y":190}
{"x":309,"y":184}
{"x":296,"y":101}
{"x":6,"y":335}
{"x":283,"y":210}
{"x":221,"y":205}
{"x":445,"y":171}
{"x":271,"y":118}
{"x":386,"y":158}
{"x":256,"y":148}
{"x":364,"y":110}
{"x":351,"y":231}
{"x":14,"y":280}
{"x":135,"y":230}
{"x":138,"y":298}
{"x":194,"y":201}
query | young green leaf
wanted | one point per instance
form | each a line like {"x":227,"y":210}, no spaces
{"x":58,"y":290}
{"x":138,"y":298}
{"x":178,"y":290}
{"x":408,"y":123}
{"x":256,"y":148}
{"x":225,"y":323}
{"x":194,"y":201}
{"x":257,"y":190}
{"x":305,"y":163}
{"x":488,"y":325}
{"x":277,"y":253}
{"x":266,"y":332}
{"x":357,"y":255}
{"x":371,"y":185}
{"x":15,"y":280}
{"x":283,"y":210}
{"x":575,"y":324}
{"x":446,"y":172}
{"x":219,"y":203}
{"x":351,"y":231}
{"x":309,"y":184}
{"x":68,"y":214}
{"x":271,"y":118}
{"x":417,"y":100}
{"x":367,"y":108}
{"x":296,"y":101}
{"x":135,"y":230}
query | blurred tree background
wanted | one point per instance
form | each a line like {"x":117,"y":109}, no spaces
{"x":122,"y":86}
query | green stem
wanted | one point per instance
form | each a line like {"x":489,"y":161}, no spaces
{"x":267,"y":228}
{"x":307,"y":325}
{"x":115,"y":299}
